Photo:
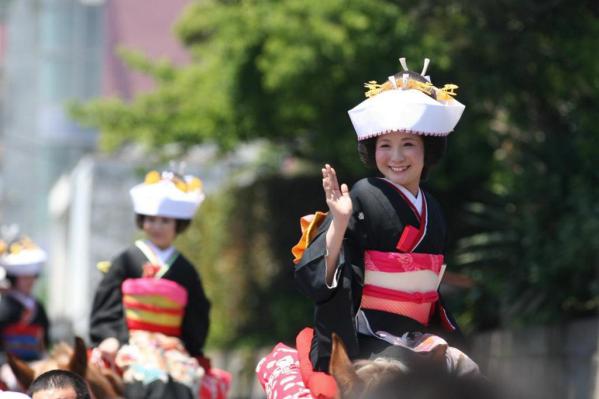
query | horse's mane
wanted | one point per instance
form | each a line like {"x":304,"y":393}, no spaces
{"x":376,"y":372}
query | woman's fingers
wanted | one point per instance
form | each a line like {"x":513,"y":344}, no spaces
{"x":330,"y":183}
{"x":344,"y":189}
{"x":334,"y":181}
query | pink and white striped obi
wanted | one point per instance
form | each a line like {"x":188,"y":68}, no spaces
{"x":402,"y":283}
{"x":154,"y":304}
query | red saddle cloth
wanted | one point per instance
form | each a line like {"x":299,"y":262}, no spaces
{"x":288,"y":373}
{"x":215,"y":384}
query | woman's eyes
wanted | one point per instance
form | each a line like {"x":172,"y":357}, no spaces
{"x":404,"y":144}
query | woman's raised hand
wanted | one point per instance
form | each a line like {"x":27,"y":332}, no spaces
{"x":337,"y":197}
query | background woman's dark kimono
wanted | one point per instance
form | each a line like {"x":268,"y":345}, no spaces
{"x":12,"y":314}
{"x":108,"y":318}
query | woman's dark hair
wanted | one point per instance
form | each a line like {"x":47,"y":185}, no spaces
{"x":180,"y":224}
{"x":434,"y":148}
{"x":12,"y":279}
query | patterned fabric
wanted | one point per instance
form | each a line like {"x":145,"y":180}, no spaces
{"x":155,"y":305}
{"x":402,"y":283}
{"x":288,"y":373}
{"x":154,"y":356}
{"x":215,"y":384}
{"x":24,"y":340}
{"x":280,"y":376}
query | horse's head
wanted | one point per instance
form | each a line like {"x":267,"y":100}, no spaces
{"x":103,"y":383}
{"x":385,"y":378}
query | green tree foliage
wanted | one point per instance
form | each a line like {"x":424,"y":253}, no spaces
{"x":519,"y":183}
{"x":531,"y":66}
{"x":283,"y":70}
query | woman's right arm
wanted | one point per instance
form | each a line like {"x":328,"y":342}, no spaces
{"x":340,"y":207}
{"x":317,"y":269}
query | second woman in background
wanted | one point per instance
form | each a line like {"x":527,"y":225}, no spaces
{"x":150,"y":314}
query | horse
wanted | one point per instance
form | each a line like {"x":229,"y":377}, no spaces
{"x":103,"y":382}
{"x":385,"y":378}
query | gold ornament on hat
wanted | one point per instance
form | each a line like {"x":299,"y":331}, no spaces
{"x":152,"y":177}
{"x":18,"y":245}
{"x":407,"y":80}
{"x":179,"y":181}
{"x":195,"y":184}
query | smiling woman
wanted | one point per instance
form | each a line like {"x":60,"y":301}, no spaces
{"x":374,"y":264}
{"x":150,"y":315}
{"x":434,"y":149}
{"x":400,"y":158}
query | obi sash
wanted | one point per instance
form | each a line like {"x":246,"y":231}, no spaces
{"x":155,"y":305}
{"x":26,"y":341}
{"x":402,"y":283}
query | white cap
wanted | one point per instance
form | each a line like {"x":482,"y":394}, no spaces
{"x":167,"y":195}
{"x":403,"y":105}
{"x":22,"y":257}
{"x":13,"y":395}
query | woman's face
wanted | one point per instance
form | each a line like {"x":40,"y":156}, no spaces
{"x":24,"y":284}
{"x":160,"y":230}
{"x":400,"y":158}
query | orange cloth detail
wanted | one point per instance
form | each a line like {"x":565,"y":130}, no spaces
{"x":321,"y":385}
{"x":417,"y":311}
{"x":309,"y":225}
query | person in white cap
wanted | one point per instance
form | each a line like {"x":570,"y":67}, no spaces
{"x":24,"y":325}
{"x":151,"y":303}
{"x":374,"y":265}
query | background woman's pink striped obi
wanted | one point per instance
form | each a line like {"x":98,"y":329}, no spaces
{"x":155,"y":305}
{"x":401,"y":283}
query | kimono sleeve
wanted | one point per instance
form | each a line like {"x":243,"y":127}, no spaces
{"x":196,"y":320}
{"x":310,"y":272}
{"x":9,"y":311}
{"x":45,"y":322}
{"x":107,"y":317}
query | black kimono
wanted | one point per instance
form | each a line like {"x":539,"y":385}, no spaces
{"x":108,"y":318}
{"x":379,"y":217}
{"x":23,"y":332}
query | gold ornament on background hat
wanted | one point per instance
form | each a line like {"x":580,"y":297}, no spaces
{"x":406,"y":80}
{"x":177,"y":179}
{"x":23,"y":243}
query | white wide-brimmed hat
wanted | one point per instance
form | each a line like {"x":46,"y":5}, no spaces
{"x":167,"y":194}
{"x":407,"y":102}
{"x":21,"y":257}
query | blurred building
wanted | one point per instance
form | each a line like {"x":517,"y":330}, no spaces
{"x":52,"y":182}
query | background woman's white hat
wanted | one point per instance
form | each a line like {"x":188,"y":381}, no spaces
{"x":167,"y":194}
{"x":21,"y":256}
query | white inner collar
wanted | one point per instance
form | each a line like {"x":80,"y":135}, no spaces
{"x":26,"y":300}
{"x":162,"y":254}
{"x":414,"y":200}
